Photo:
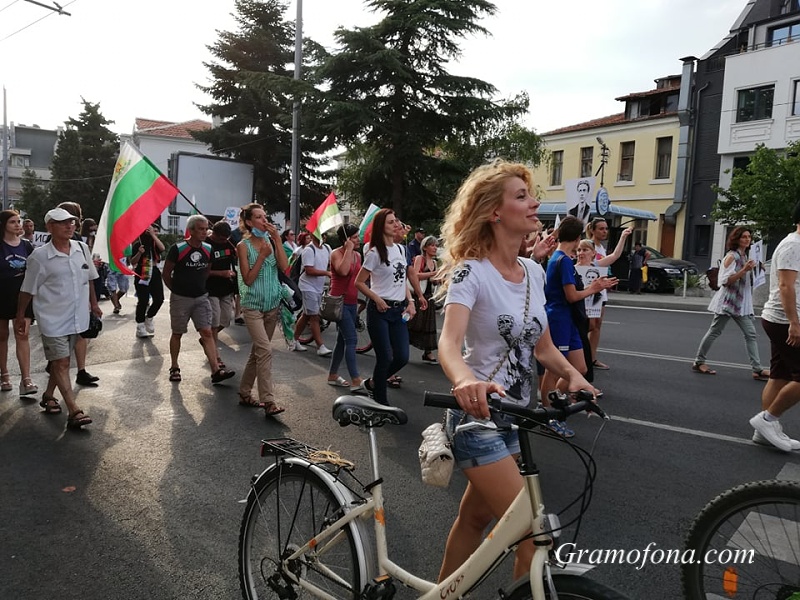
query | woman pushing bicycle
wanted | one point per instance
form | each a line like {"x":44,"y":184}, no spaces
{"x":495,"y":308}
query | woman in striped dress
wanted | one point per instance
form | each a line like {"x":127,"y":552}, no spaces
{"x":260,"y":255}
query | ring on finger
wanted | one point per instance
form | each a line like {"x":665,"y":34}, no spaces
{"x":473,"y":399}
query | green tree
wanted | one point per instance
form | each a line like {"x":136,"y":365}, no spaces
{"x":764,"y":193}
{"x":84,"y":161}
{"x":253,"y":90}
{"x":393,"y":104}
{"x":34,"y":199}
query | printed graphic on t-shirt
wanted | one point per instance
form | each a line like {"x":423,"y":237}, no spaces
{"x":461,"y":273}
{"x":520,"y":357}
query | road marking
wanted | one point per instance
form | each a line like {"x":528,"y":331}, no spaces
{"x":682,"y":359}
{"x":677,"y":310}
{"x":790,"y":471}
{"x":695,"y":432}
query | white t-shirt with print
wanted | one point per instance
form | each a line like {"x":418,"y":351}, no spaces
{"x":388,"y":281}
{"x":317,"y":258}
{"x":495,"y":323}
{"x":785,"y":258}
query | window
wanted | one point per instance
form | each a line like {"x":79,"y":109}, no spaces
{"x":783,"y":34}
{"x":796,"y":102}
{"x":740,"y":162}
{"x":626,"y":150}
{"x":556,"y":167}
{"x":586,"y":161}
{"x":663,"y":157}
{"x":755,"y":104}
{"x":702,"y":239}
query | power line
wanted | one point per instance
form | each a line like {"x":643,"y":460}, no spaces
{"x":36,"y":21}
{"x":7,"y":5}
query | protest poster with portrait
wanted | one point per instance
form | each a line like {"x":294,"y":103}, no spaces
{"x":579,"y":198}
{"x":594,"y":303}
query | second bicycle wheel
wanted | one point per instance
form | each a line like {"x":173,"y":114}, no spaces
{"x":746,"y":544}
{"x":283,"y":512}
{"x":570,"y":587}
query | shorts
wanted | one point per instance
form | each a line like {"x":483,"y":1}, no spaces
{"x":311,"y":303}
{"x":118,"y":281}
{"x":183,"y":308}
{"x":565,"y":335}
{"x":58,"y":347}
{"x":221,"y":310}
{"x":9,"y":298}
{"x":479,"y":447}
{"x":784,"y":362}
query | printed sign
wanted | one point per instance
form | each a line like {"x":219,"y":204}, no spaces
{"x":232,"y":216}
{"x":594,"y":303}
{"x":757,"y":254}
{"x":580,"y":193}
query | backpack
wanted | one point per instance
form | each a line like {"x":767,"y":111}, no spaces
{"x":296,"y":269}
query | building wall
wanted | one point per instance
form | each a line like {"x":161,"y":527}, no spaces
{"x":643,"y":192}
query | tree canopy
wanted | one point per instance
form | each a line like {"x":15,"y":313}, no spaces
{"x":764,"y":193}
{"x":253,"y":90}
{"x":84,"y":161}
{"x":34,"y":199}
{"x":407,"y":123}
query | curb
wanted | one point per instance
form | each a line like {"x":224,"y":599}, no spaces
{"x":694,"y":304}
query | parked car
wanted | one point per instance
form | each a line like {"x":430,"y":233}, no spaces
{"x":662,"y":271}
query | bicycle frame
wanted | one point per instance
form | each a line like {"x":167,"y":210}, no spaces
{"x":525,"y":514}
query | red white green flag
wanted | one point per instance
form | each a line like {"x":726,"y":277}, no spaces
{"x":325,"y":217}
{"x":139,"y":193}
{"x":365,"y":229}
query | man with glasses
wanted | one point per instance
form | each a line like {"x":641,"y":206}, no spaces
{"x":62,"y":264}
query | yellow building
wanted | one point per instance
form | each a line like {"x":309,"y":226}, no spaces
{"x":634,"y":156}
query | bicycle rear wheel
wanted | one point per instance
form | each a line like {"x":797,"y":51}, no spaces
{"x":570,"y":587}
{"x":305,"y":336}
{"x":285,"y":509}
{"x":760,"y":521}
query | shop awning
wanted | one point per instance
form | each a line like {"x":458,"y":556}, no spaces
{"x":551,"y":209}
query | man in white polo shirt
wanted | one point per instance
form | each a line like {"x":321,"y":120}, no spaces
{"x":57,"y":281}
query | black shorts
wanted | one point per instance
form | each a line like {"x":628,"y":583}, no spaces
{"x":784,"y":362}
{"x":9,"y":298}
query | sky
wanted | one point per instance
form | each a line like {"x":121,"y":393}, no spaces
{"x":145,"y":58}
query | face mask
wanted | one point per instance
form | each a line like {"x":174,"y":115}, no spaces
{"x":258,"y":233}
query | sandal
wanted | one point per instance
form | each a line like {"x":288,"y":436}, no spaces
{"x":50,"y":405}
{"x":5,"y":383}
{"x":78,"y":419}
{"x":271,"y":409}
{"x":221,"y":375}
{"x":703,"y":369}
{"x":393,"y":382}
{"x":762,"y":375}
{"x":26,"y":386}
{"x":339,"y":382}
{"x":174,"y":374}
{"x":600,"y":366}
{"x":247,"y":400}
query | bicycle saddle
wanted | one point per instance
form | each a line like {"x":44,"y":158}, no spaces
{"x":358,"y":410}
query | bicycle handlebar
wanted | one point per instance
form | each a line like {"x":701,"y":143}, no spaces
{"x":560,"y":410}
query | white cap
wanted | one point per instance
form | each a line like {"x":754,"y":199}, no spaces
{"x":58,"y":214}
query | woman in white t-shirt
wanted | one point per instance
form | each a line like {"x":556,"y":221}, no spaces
{"x":494,"y":308}
{"x":388,"y":296}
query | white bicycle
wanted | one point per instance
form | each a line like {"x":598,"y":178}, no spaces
{"x":312,"y":530}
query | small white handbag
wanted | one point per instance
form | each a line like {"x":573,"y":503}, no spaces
{"x":435,"y":457}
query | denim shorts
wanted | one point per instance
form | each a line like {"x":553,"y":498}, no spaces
{"x":479,"y":446}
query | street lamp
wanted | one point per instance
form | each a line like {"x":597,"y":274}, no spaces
{"x":294,"y":194}
{"x":602,"y":202}
{"x":603,"y":160}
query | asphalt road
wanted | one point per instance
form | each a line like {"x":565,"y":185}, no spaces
{"x":146,"y":502}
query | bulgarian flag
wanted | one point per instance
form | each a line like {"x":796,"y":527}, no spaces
{"x":365,"y":229}
{"x":139,"y":193}
{"x":325,"y":217}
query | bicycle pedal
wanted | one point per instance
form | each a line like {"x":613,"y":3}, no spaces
{"x":380,"y":588}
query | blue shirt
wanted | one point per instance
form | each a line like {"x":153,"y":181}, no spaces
{"x":560,"y":272}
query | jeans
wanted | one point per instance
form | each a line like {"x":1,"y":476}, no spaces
{"x":389,"y":335}
{"x":261,"y":326}
{"x":154,"y":290}
{"x":346,"y":342}
{"x":746,"y":323}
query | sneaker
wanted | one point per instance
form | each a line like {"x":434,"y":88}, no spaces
{"x":762,"y":441}
{"x":324,"y":351}
{"x":298,"y":347}
{"x":561,"y":428}
{"x":429,"y":359}
{"x":141,"y":331}
{"x":86,"y":378}
{"x":772,"y":432}
{"x":149,"y":325}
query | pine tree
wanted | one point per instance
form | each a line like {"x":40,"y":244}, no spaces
{"x":253,"y":89}
{"x":393,"y":102}
{"x":84,"y":161}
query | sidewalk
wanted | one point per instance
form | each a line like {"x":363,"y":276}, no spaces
{"x":645,"y":300}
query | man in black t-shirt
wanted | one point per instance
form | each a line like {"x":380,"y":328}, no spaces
{"x":221,"y":283}
{"x":186,"y":271}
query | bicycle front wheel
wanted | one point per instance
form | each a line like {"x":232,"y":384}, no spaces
{"x":285,"y":509}
{"x":746,"y":544}
{"x":570,"y":587}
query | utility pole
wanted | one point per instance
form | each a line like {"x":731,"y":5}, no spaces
{"x":5,"y":153}
{"x":294,"y":200}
